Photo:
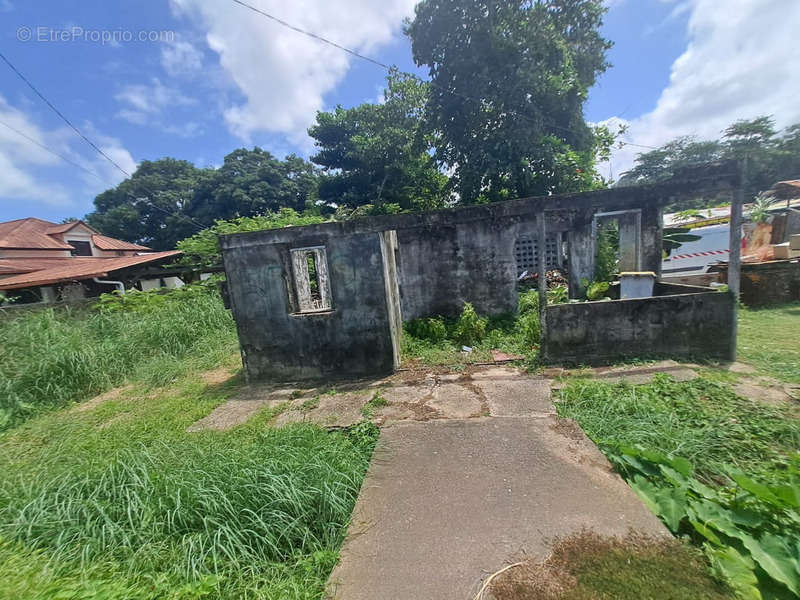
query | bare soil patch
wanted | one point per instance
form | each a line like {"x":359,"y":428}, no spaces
{"x":587,"y":566}
{"x":93,"y":403}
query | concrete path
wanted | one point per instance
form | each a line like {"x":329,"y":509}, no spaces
{"x":448,"y":502}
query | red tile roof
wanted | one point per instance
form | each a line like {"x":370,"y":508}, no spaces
{"x":29,"y":234}
{"x":107,"y":243}
{"x":71,"y":269}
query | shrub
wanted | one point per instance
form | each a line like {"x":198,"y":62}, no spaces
{"x":470,"y":328}
{"x":431,"y":329}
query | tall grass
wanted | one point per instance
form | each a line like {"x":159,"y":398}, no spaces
{"x":54,"y":356}
{"x":232,"y":513}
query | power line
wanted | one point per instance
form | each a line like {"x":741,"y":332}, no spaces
{"x":197,"y":224}
{"x":53,"y":152}
{"x":61,"y":115}
{"x":389,"y":68}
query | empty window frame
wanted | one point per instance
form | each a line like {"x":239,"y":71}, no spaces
{"x":80,"y":248}
{"x":311,"y":283}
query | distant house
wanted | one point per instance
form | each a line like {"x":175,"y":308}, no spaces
{"x":41,"y":261}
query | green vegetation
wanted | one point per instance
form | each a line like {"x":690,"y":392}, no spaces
{"x":718,"y":468}
{"x":587,"y":566}
{"x":55,"y":356}
{"x":203,"y":248}
{"x":771,"y":156}
{"x":436,"y":340}
{"x":377,"y":401}
{"x":119,"y":502}
{"x":768,"y":339}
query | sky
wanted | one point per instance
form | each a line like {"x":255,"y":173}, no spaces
{"x":196,"y":79}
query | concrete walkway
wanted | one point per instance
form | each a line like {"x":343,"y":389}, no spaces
{"x":448,"y":502}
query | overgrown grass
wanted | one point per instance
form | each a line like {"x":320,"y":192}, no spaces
{"x":718,"y":468}
{"x":59,"y":355}
{"x":769,"y":339}
{"x":120,"y":502}
{"x":701,"y":420}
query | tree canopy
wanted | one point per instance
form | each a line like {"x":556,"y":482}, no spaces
{"x":771,"y":156}
{"x":167,"y":200}
{"x":508,"y":82}
{"x":379,"y":154}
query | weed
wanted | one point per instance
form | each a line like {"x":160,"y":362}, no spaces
{"x":431,"y":329}
{"x":768,"y":340}
{"x":377,"y":401}
{"x":586,"y":566}
{"x":470,"y":328}
{"x":310,"y":404}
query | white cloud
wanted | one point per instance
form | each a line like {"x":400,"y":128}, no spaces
{"x":18,"y":158}
{"x":144,"y":103}
{"x":25,"y":166}
{"x":284,"y":75}
{"x":181,"y":58}
{"x":740,"y":62}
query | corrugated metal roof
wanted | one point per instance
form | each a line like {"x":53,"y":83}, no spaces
{"x":26,"y":265}
{"x":83,"y":268}
{"x":107,"y":243}
{"x":64,"y":227}
{"x":29,"y":234}
{"x":787,"y":189}
{"x":37,"y":234}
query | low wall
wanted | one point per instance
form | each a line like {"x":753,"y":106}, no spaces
{"x":686,"y":324}
{"x":769,"y":283}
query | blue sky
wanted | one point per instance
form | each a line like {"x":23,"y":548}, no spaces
{"x":212,"y":76}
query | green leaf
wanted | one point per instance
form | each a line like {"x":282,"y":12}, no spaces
{"x":706,"y":532}
{"x":668,"y":503}
{"x":760,"y":491}
{"x":738,"y":570}
{"x":772,"y":555}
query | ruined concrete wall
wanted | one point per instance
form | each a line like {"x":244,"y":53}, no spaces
{"x":768,"y":284}
{"x":687,"y":325}
{"x":442,"y":267}
{"x":352,"y":339}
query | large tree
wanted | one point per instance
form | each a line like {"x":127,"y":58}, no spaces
{"x":379,"y":154}
{"x":508,"y":82}
{"x":150,"y":207}
{"x":167,"y":200}
{"x":254,"y":182}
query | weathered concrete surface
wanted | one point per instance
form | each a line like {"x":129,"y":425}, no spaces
{"x":491,"y":391}
{"x":446,"y":503}
{"x":516,"y":397}
{"x":327,"y":410}
{"x":230,"y":414}
{"x":633,"y":374}
{"x":690,"y":325}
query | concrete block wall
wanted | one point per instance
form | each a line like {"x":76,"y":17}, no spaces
{"x":687,"y":323}
{"x":353,"y":339}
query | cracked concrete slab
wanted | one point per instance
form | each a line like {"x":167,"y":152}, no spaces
{"x":517,"y":397}
{"x":448,"y":502}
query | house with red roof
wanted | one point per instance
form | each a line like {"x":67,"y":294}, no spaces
{"x":41,"y":261}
